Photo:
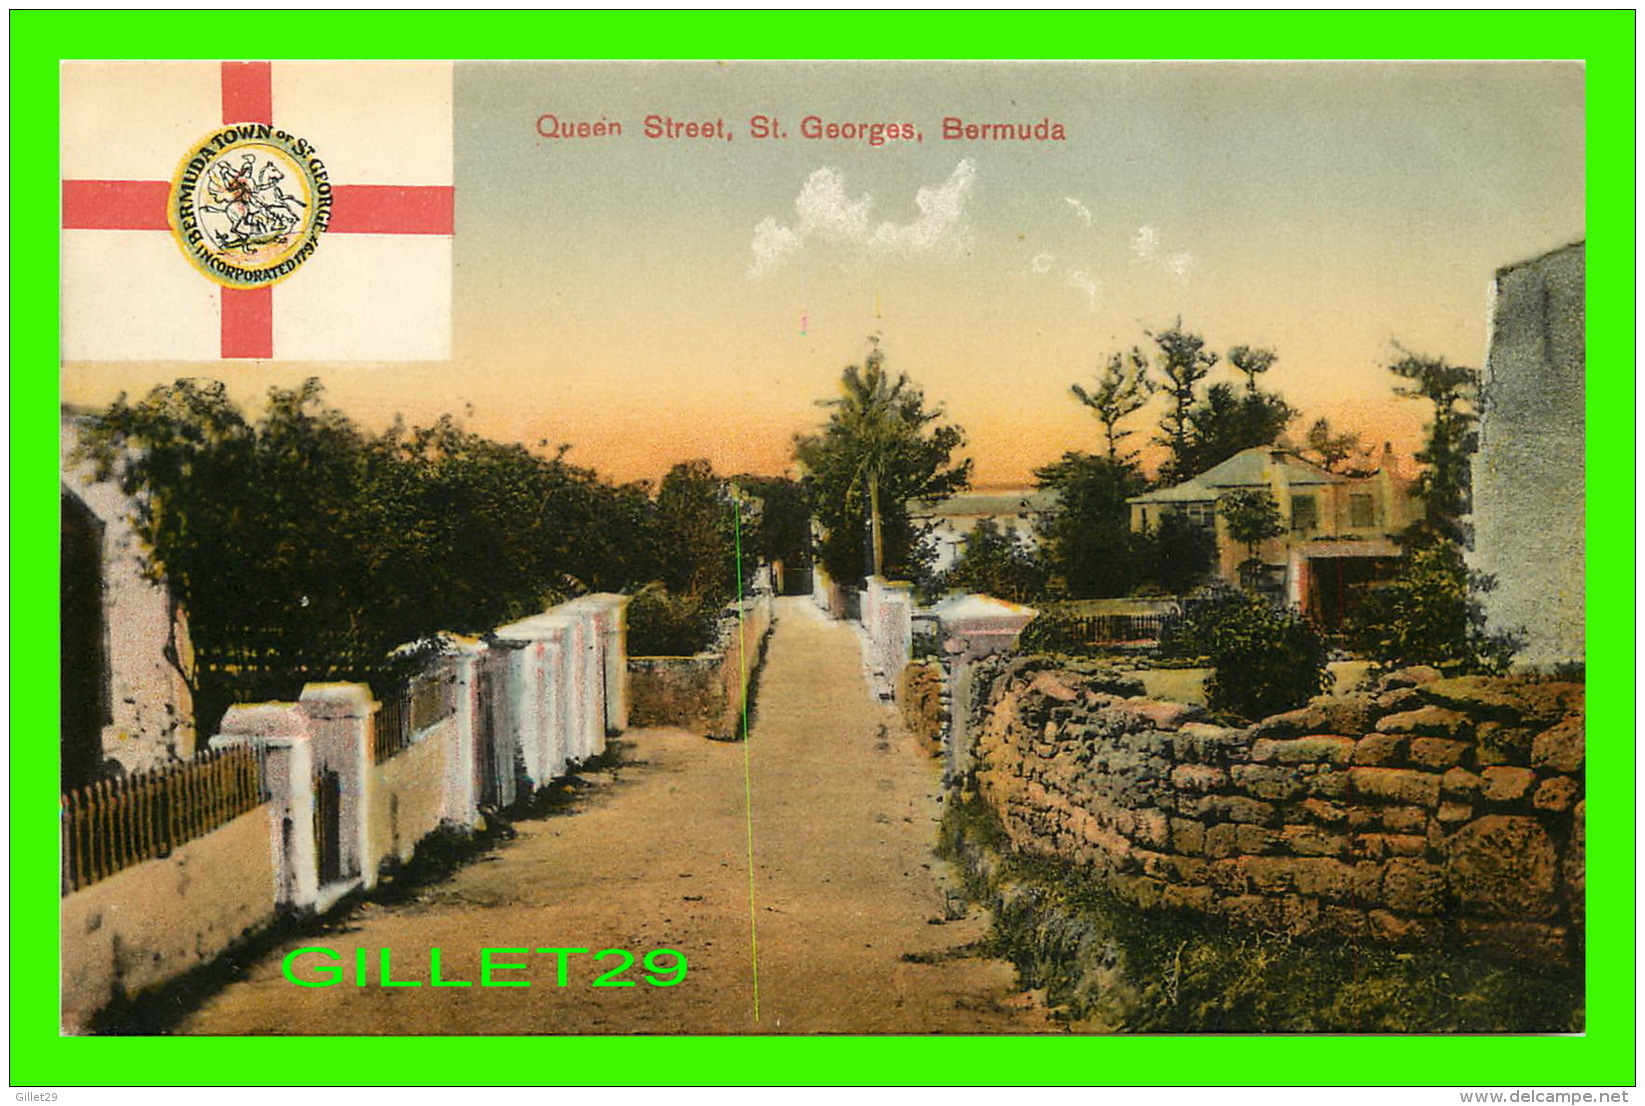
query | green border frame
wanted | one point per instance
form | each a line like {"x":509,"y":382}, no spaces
{"x":1604,"y":1056}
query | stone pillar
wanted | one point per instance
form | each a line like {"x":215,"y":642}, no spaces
{"x":973,"y":627}
{"x":341,"y":720}
{"x":279,"y":733}
{"x":461,"y":806}
{"x":887,"y":620}
{"x":613,"y":624}
{"x":538,"y":689}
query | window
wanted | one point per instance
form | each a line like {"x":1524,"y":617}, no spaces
{"x":1304,"y":513}
{"x":1202,"y":515}
{"x":1361,"y":510}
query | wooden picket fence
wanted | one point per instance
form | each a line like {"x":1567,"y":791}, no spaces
{"x":114,"y":824}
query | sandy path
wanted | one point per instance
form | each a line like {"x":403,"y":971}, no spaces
{"x":655,"y":855}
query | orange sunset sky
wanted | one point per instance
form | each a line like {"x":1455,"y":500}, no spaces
{"x":653,"y":300}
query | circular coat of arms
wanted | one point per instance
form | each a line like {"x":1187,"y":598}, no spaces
{"x":248,"y":204}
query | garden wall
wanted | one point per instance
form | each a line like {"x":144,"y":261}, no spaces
{"x":1429,"y":811}
{"x":702,"y":693}
{"x":157,"y":920}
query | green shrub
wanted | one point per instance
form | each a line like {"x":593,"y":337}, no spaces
{"x":664,"y":625}
{"x":1264,"y":660}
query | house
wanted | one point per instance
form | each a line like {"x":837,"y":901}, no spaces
{"x":126,"y":701}
{"x":1014,"y":510}
{"x":1338,"y":529}
{"x":1529,"y":524}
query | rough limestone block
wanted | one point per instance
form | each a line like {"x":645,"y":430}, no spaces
{"x":1573,"y":872}
{"x":1398,"y":699}
{"x":1315,"y":841}
{"x":1325,"y":813}
{"x":1199,"y":777}
{"x":1437,"y":752}
{"x":1412,"y":886}
{"x":1322,"y":877}
{"x":1329,"y":785}
{"x":1327,"y":748}
{"x":1460,"y":781}
{"x":1187,"y":837}
{"x":1255,"y":840}
{"x":1398,"y":785}
{"x":1537,"y":704}
{"x":1502,"y":865}
{"x":1504,"y":785}
{"x":1452,"y":813}
{"x":1377,"y":846}
{"x":1195,"y":898}
{"x":1410,"y":676}
{"x":1220,"y":840}
{"x":1328,"y":714}
{"x":1365,"y":881}
{"x":1265,"y":782}
{"x":1228,"y":875}
{"x":1405,"y":819}
{"x":1207,"y":744}
{"x":1556,"y":793}
{"x":1427,"y":721}
{"x":1500,"y":743}
{"x":1561,"y":749}
{"x":1379,"y":749}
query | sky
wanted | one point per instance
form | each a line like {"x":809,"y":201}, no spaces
{"x":654,"y":300}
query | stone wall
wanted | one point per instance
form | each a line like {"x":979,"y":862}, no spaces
{"x":1427,"y":811}
{"x":922,"y":701}
{"x":703,"y":693}
{"x":160,"y":919}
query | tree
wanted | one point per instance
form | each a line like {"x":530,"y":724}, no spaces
{"x":1452,"y":391}
{"x":1183,"y":362}
{"x":1430,"y":612}
{"x":304,"y":548}
{"x":1176,"y":556}
{"x":880,"y":450}
{"x":1328,"y":448}
{"x":1225,"y":423}
{"x":996,"y":561}
{"x":782,"y":523}
{"x":1085,"y":540}
{"x":1253,"y":362}
{"x":1123,"y":387}
{"x":1253,"y":516}
{"x":697,"y":526}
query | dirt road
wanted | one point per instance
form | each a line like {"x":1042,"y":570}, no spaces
{"x":830,"y":798}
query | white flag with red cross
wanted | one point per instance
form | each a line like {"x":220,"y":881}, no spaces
{"x":296,"y":211}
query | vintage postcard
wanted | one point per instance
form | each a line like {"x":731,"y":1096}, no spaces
{"x":835,"y":548}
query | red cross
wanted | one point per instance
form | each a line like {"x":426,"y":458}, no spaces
{"x":247,"y":315}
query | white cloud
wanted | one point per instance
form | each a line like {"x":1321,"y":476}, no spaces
{"x":1146,"y":245}
{"x":1081,"y":212}
{"x":827,"y":213}
{"x":1085,"y":282}
{"x":1041,"y":263}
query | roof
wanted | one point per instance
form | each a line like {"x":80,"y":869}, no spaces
{"x":997,"y":503}
{"x":1250,"y":468}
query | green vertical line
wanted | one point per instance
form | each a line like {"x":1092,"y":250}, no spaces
{"x":748,"y":790}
